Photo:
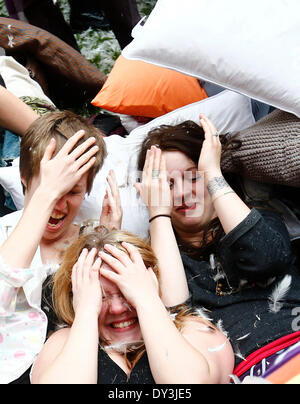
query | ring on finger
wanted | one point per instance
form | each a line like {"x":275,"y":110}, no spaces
{"x":216,"y":134}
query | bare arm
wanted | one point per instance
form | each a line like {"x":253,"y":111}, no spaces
{"x":194,"y":356}
{"x":230,"y":209}
{"x":70,"y":356}
{"x":57,"y":177}
{"x":15,"y":115}
{"x":155,"y":192}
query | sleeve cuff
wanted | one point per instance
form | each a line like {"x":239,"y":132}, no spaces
{"x":247,"y":224}
{"x":15,"y":277}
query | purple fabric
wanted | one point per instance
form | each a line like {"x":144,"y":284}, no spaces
{"x":269,"y":365}
{"x":285,"y":357}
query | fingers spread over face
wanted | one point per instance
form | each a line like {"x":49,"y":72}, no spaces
{"x":86,"y":262}
{"x":112,"y":262}
{"x":134,"y":254}
{"x":121,"y":256}
{"x":80,"y":265}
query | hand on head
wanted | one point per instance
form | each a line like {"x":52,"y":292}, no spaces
{"x":127,"y":271}
{"x":210,"y":157}
{"x":60,"y":173}
{"x":86,"y":287}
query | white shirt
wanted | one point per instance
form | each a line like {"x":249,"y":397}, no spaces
{"x":23,"y":325}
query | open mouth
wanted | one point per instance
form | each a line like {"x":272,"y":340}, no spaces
{"x":55,"y":221}
{"x":124,"y":325}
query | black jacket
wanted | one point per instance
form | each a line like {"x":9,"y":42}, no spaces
{"x":237,"y":283}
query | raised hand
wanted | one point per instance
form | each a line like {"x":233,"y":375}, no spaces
{"x":136,"y":282}
{"x":154,"y":188}
{"x":60,"y":173}
{"x":210,"y":157}
{"x":86,"y":286}
{"x":111,"y":215}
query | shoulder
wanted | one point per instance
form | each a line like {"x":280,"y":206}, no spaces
{"x":212,"y":343}
{"x":49,"y":353}
{"x":58,"y":337}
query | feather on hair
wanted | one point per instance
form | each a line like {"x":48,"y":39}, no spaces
{"x":279,"y":293}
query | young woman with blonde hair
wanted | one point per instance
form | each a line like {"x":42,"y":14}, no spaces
{"x":117,"y":328}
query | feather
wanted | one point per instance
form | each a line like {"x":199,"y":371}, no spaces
{"x":244,"y":337}
{"x":201,"y":312}
{"x":221,"y":328}
{"x":279,"y":293}
{"x":124,"y":347}
{"x":238,"y":353}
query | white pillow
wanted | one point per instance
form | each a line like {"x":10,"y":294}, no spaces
{"x":135,"y":213}
{"x":18,"y":81}
{"x":247,"y":46}
{"x":228,"y":110}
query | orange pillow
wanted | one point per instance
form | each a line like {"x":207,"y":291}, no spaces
{"x":142,"y":89}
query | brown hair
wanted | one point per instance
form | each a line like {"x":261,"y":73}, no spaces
{"x":187,"y":138}
{"x":60,"y":125}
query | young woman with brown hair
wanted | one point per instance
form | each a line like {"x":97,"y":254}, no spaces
{"x":238,"y":261}
{"x":60,"y":155}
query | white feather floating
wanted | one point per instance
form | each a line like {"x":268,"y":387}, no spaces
{"x":201,"y":312}
{"x":221,"y":328}
{"x":279,"y":293}
{"x":244,"y":337}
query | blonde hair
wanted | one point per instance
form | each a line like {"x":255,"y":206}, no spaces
{"x":62,"y":283}
{"x":62,"y":287}
{"x":60,"y":125}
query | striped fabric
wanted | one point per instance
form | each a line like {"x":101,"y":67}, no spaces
{"x":286,"y":369}
{"x":71,"y":79}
